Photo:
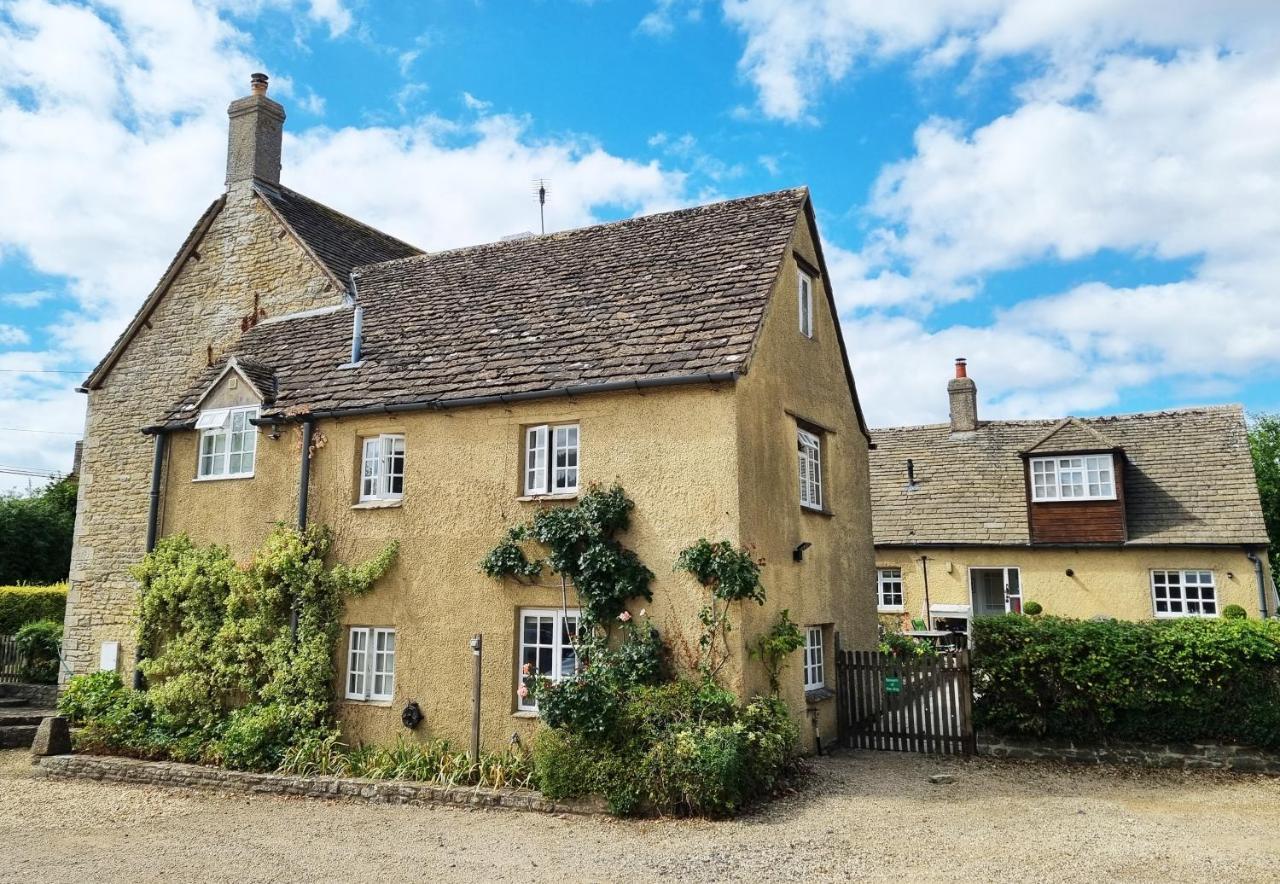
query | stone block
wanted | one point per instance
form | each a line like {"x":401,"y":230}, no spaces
{"x":53,"y":737}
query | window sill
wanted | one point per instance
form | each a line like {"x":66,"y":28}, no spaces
{"x":816,"y":511}
{"x":389,"y":503}
{"x":222,"y":478}
{"x":567,"y":495}
{"x":381,"y":704}
{"x":819,"y":695}
{"x":891,"y":609}
{"x":525,"y":713}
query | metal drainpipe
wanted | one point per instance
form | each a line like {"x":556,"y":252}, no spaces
{"x":153,"y":519}
{"x":1262,"y":582}
{"x":304,"y":485}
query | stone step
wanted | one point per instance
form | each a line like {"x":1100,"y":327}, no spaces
{"x":23,"y":716}
{"x":17,"y":736}
{"x":11,"y":702}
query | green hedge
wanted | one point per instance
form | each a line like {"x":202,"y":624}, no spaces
{"x":23,"y":604}
{"x":1173,"y":681}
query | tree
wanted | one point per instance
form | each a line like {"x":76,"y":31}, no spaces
{"x":1264,"y":444}
{"x":35,"y":534}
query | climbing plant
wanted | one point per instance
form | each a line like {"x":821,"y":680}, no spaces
{"x":731,"y":574}
{"x":773,"y":647}
{"x":239,"y":659}
{"x":582,"y":549}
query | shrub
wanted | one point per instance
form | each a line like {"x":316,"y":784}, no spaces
{"x":1154,"y":681}
{"x":1033,"y":609}
{"x":35,"y":535}
{"x":772,"y":648}
{"x":20,"y":605}
{"x":1234,"y":612}
{"x":905,"y":646}
{"x":40,"y":645}
{"x":90,"y":696}
{"x":434,"y":761}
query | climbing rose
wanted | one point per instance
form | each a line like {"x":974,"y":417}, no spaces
{"x":624,"y":616}
{"x":526,"y":668}
{"x":522,"y":691}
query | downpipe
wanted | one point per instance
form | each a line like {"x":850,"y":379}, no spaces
{"x":153,"y":526}
{"x":1262,"y":582}
{"x":304,"y":487}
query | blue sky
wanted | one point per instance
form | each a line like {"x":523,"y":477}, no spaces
{"x":1083,"y":199}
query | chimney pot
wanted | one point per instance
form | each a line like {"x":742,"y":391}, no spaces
{"x":258,"y":83}
{"x":963,"y":393}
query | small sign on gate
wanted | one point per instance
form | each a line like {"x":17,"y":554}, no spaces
{"x":892,"y":684}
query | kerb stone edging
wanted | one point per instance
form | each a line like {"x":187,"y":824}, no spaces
{"x":109,"y":769}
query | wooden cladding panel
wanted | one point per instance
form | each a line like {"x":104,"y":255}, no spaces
{"x":1079,"y":521}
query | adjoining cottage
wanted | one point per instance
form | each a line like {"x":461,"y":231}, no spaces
{"x":294,"y":364}
{"x":1135,"y":516}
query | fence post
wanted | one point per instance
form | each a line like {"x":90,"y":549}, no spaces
{"x":477,"y":649}
{"x":966,"y":704}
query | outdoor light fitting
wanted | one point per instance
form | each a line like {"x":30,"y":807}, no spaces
{"x":797,"y":554}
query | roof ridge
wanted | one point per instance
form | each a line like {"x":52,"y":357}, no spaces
{"x":1054,"y":421}
{"x":564,"y":234}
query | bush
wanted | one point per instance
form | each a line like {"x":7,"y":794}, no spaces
{"x":1033,"y":609}
{"x":90,"y":696}
{"x":1154,"y":681}
{"x":39,"y":647}
{"x":1234,"y":612}
{"x":435,"y":761}
{"x":35,"y":535}
{"x":20,"y":605}
{"x":684,"y":747}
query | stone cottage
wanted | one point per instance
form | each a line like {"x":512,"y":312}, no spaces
{"x":1135,"y":516}
{"x":294,"y":364}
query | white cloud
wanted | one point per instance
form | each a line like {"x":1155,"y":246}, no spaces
{"x":332,"y":13}
{"x":27,"y":299}
{"x":112,"y":141}
{"x":475,"y":104}
{"x":11,"y":336}
{"x":795,"y":48}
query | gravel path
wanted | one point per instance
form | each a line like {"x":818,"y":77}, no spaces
{"x":865,"y":816}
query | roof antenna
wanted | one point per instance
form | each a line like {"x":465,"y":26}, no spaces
{"x":542,"y":202}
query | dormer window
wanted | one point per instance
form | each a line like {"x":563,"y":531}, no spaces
{"x":1073,"y":477}
{"x":806,"y":304}
{"x":227,"y":442}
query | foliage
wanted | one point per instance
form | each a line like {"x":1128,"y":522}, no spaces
{"x":23,"y":604}
{"x":40,"y":645}
{"x":581,"y":546}
{"x":1033,"y":609}
{"x":435,"y":761}
{"x":772,"y":648}
{"x":230,"y":681}
{"x":1154,"y":681}
{"x":90,"y":696}
{"x":35,"y":534}
{"x":678,"y":747}
{"x":731,"y":575}
{"x":1234,"y":612}
{"x":900,"y":645}
{"x":1264,"y":445}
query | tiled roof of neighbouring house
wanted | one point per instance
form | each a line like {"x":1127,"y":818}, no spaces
{"x":341,"y":243}
{"x":662,"y":296}
{"x":1188,"y":479}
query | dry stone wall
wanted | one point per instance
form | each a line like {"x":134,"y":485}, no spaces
{"x":246,"y":253}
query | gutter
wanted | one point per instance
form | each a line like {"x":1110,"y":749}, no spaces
{"x":1262,"y":581}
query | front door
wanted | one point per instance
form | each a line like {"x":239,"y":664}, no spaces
{"x":995,"y":591}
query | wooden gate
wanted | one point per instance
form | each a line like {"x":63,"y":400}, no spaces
{"x":905,"y":705}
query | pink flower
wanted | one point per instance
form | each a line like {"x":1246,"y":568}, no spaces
{"x":642,"y":612}
{"x":522,"y":692}
{"x":624,"y":616}
{"x":526,"y":668}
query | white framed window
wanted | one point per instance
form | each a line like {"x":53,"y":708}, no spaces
{"x":547,"y":637}
{"x":814,"y":671}
{"x":1184,"y":594}
{"x":371,"y":663}
{"x":551,"y":459}
{"x":1074,"y":477}
{"x":382,"y":467}
{"x":889,"y":590}
{"x":805,"y":288}
{"x":228,"y":442}
{"x":810,"y":451}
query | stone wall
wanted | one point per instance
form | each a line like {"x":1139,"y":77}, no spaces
{"x":42,"y":696}
{"x":245,"y":254}
{"x":1199,"y":756}
{"x":161,"y":773}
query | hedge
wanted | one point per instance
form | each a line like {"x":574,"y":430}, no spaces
{"x":23,"y":604}
{"x":1174,"y":681}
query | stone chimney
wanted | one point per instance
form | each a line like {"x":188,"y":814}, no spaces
{"x":253,"y":140}
{"x":963,"y":393}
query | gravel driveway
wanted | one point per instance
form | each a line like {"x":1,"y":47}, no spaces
{"x":863,"y":815}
